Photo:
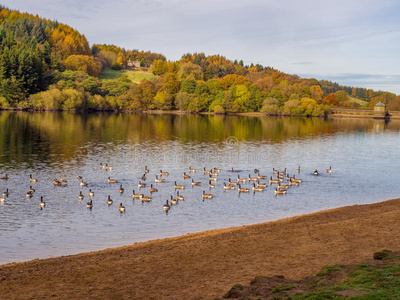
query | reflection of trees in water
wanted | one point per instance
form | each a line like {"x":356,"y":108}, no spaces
{"x":51,"y":136}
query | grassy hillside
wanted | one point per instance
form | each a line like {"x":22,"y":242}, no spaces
{"x":359,"y":101}
{"x":134,"y":75}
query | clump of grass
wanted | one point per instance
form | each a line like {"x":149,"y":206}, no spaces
{"x":383,"y":254}
{"x":283,"y":288}
{"x":326,"y":270}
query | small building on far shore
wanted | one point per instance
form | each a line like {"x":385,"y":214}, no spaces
{"x":380,"y":108}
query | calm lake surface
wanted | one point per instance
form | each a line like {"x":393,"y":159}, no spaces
{"x":364,"y":155}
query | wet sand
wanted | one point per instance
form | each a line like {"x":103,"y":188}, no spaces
{"x":206,"y":265}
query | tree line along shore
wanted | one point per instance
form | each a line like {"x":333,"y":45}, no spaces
{"x":46,"y":65}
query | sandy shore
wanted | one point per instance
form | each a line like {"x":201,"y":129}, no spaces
{"x":206,"y":265}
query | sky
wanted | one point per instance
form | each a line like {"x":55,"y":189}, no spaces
{"x":352,"y":42}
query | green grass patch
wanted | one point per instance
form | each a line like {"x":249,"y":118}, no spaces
{"x":283,"y":288}
{"x":134,"y":75}
{"x":326,"y":270}
{"x":359,"y":101}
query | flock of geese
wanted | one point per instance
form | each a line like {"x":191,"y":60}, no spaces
{"x":258,"y":183}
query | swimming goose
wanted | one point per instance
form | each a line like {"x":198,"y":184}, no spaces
{"x":196,"y":182}
{"x":192,"y":170}
{"x":210,"y":178}
{"x":108,"y":168}
{"x":298,"y":170}
{"x":79,"y":177}
{"x":217,"y":170}
{"x":109,"y":200}
{"x":179,"y":197}
{"x":41,"y":203}
{"x":159,"y":180}
{"x":29,"y":194}
{"x":274,"y":171}
{"x":56,"y":182}
{"x":206,"y":171}
{"x":152,"y":190}
{"x":214,"y":173}
{"x":207,"y":196}
{"x":316,"y":173}
{"x":329,"y":170}
{"x":111,"y":180}
{"x":243,"y":190}
{"x":136,"y":196}
{"x":176,"y":186}
{"x":256,"y":170}
{"x":146,"y":199}
{"x":173,"y":201}
{"x":31,"y":179}
{"x":294,"y":183}
{"x":232,"y":182}
{"x":62,"y":180}
{"x":241,"y":179}
{"x":163,"y":173}
{"x":257,"y":188}
{"x":232,"y":170}
{"x":253,"y":178}
{"x":80,"y":196}
{"x":211,"y":185}
{"x":83,"y":183}
{"x":166,"y":207}
{"x":228,"y":187}
{"x":297,"y":180}
{"x":121,"y":208}
{"x":146,"y":170}
{"x":284,"y":172}
{"x":288,"y":178}
{"x":5,"y":194}
{"x":31,"y":190}
{"x":102,"y":166}
{"x":279,"y":192}
{"x":143,"y":177}
{"x":91,"y":194}
{"x":185,"y":176}
{"x":89,"y":204}
{"x":5,"y":177}
{"x":140,"y":185}
{"x":283,"y":186}
{"x":273,"y":181}
{"x":261,"y":185}
{"x":261,"y":176}
{"x":121,"y":189}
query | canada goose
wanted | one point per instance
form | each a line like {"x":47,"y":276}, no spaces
{"x":288,"y":178}
{"x":210,"y":178}
{"x":196,"y":182}
{"x":5,"y":177}
{"x":136,"y":196}
{"x":207,"y":196}
{"x":316,"y":173}
{"x":143,"y":177}
{"x":232,"y":170}
{"x":121,"y":189}
{"x":273,"y":181}
{"x":293,"y":183}
{"x":166,"y":207}
{"x":329,"y":170}
{"x":163,"y":173}
{"x":283,"y":186}
{"x":140,"y":185}
{"x":146,"y":199}
{"x":108,"y":168}
{"x":109,"y":200}
{"x":185,"y":176}
{"x":91,"y":194}
{"x":257,"y":188}
{"x":121,"y":208}
{"x":241,"y":179}
{"x":80,"y":196}
{"x":176,"y":186}
{"x":298,"y":170}
{"x":253,"y":178}
{"x":179,"y":197}
{"x":217,"y":170}
{"x":192,"y":170}
{"x":28,"y":194}
{"x":5,"y":194}
{"x":32,"y":190}
{"x":102,"y":166}
{"x":284,"y":172}
{"x":297,"y":180}
{"x":152,"y":190}
{"x":173,"y":201}
{"x":280,"y":175}
{"x":56,"y":182}
{"x":83,"y":183}
{"x":214,"y":173}
{"x":261,"y":176}
{"x":228,"y":187}
{"x":146,"y":170}
{"x":261,"y":185}
{"x":274,"y":171}
{"x":31,"y":179}
{"x":79,"y":177}
{"x":242,"y":190}
{"x":279,"y":192}
{"x":159,"y":180}
{"x":89,"y":204}
{"x":232,"y":182}
{"x":211,"y":185}
{"x":111,"y":180}
{"x":256,"y":171}
{"x":41,"y":203}
{"x":62,"y":180}
{"x":206,"y":171}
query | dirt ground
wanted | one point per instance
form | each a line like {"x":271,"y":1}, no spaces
{"x":206,"y":265}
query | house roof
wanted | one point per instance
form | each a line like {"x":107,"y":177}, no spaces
{"x":380,"y":104}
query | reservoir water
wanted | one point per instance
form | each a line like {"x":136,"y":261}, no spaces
{"x":363,"y":153}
